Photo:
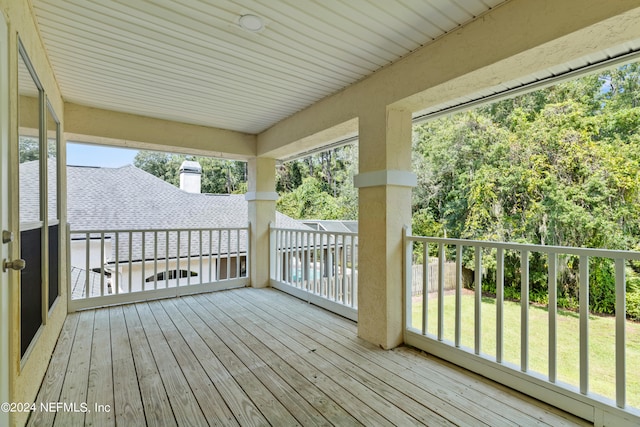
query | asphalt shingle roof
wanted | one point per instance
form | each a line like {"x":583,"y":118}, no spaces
{"x":128,"y":198}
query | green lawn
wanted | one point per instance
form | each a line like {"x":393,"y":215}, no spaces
{"x":601,"y":341}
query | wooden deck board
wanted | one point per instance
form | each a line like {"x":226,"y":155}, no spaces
{"x":128,"y":406}
{"x":408,"y":363}
{"x":153,"y":396}
{"x":74,"y":389}
{"x":383,"y":401}
{"x":100,"y":387}
{"x":327,"y":407}
{"x":266,"y":402}
{"x":56,"y":372}
{"x":437,"y":397}
{"x":210,"y":401}
{"x":259,"y":357}
{"x":183,"y":403}
{"x":299,"y":408}
{"x":242,"y":407}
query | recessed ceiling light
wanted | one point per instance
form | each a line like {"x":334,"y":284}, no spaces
{"x":251,"y":23}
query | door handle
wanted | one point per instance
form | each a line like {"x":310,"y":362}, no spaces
{"x":16,"y":264}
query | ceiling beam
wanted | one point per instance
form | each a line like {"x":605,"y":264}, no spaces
{"x":98,"y":126}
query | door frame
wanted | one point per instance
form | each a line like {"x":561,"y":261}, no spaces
{"x":5,"y":278}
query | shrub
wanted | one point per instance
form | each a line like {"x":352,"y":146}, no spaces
{"x":633,"y":306}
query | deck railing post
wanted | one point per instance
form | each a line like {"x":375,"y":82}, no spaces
{"x":407,"y":276}
{"x":621,"y":320}
{"x":524,"y":311}
{"x":272,"y":251}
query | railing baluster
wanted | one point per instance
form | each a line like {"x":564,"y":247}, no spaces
{"x":88,"y":265}
{"x":478,"y":300}
{"x":279,"y":256}
{"x":499,"y":304}
{"x":282,"y":268}
{"x":210,"y":252}
{"x":295,"y":260}
{"x":300,"y":256}
{"x":323,"y":266}
{"x":310,"y":276}
{"x":343,"y":269}
{"x":189,"y":257}
{"x":441,"y":260}
{"x":334,"y":265}
{"x":425,"y":288}
{"x":218,"y":267}
{"x":621,"y":319}
{"x":524,"y":311}
{"x":102,"y":262}
{"x":129,"y":287}
{"x":247,"y":264}
{"x":155,"y":260}
{"x":200,"y":243}
{"x":584,"y":324}
{"x":286,"y":260}
{"x":352,"y":288}
{"x":238,"y":253}
{"x":315,"y":259}
{"x":228,"y":254}
{"x":285,"y":256}
{"x":143,"y":260}
{"x":458,"y":314}
{"x":178,"y":272}
{"x":116,"y":282}
{"x":166,"y":260}
{"x":553,"y":315}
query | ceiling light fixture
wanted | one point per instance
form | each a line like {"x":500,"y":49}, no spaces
{"x":252,"y":23}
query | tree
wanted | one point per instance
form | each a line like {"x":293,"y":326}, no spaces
{"x":218,"y":176}
{"x":332,"y":172}
{"x":557,"y":166}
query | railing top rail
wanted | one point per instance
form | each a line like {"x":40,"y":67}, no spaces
{"x":333,"y":233}
{"x":564,"y":250}
{"x":153,"y":230}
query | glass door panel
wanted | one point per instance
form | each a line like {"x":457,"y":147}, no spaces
{"x":52,"y":204}
{"x":31,"y":208}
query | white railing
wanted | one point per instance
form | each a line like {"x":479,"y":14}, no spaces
{"x":439,"y":330}
{"x":121,"y":266}
{"x":320,"y":267}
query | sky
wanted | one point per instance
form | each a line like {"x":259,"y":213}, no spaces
{"x":98,"y":155}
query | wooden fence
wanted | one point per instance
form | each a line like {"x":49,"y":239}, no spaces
{"x":449,"y":277}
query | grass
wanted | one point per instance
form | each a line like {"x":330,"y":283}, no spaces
{"x":601,"y":341}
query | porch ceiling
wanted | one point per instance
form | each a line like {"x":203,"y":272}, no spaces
{"x":189,"y":61}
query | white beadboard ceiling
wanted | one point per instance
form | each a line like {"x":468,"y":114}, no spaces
{"x":189,"y":61}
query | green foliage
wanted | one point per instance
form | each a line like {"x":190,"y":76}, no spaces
{"x":218,"y":176}
{"x":559,"y":166}
{"x":319,"y":186}
{"x":633,"y":306}
{"x":309,"y":201}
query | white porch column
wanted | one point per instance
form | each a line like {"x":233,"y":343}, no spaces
{"x":261,"y":197}
{"x":384,"y":183}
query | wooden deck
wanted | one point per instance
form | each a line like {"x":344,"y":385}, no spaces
{"x":258,"y":357}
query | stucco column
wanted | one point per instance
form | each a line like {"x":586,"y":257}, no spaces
{"x":384,"y":183}
{"x":261,"y":197}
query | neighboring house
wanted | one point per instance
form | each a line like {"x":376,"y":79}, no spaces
{"x":336,"y":225}
{"x":128,"y":198}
